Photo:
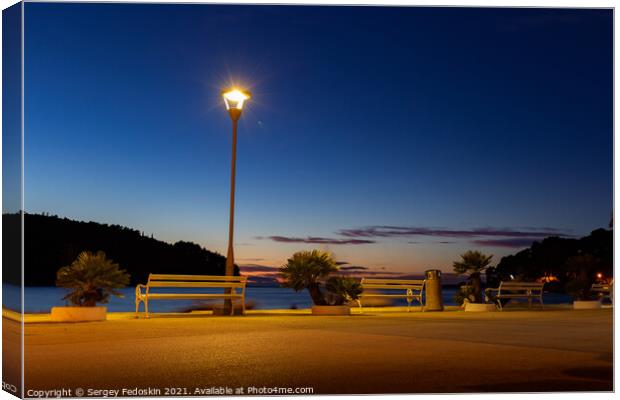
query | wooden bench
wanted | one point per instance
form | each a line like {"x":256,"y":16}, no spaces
{"x":603,"y":290}
{"x":234,"y":283}
{"x":514,"y":290}
{"x":410,"y":289}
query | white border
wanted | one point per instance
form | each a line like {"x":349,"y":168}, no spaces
{"x":457,"y":3}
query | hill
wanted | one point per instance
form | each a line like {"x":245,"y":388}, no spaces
{"x":549,"y":257}
{"x":52,"y":242}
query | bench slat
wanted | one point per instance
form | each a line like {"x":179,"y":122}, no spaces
{"x":224,"y":285}
{"x":377,"y":286}
{"x":521,"y":284}
{"x":389,"y":295}
{"x":172,"y":296}
{"x":169,"y":277}
{"x":392,"y":281}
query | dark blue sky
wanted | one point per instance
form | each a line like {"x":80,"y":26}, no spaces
{"x":455,"y":128}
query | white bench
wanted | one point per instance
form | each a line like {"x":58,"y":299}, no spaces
{"x":230,"y":283}
{"x":410,"y":289}
{"x":514,"y":290}
{"x":603,"y":290}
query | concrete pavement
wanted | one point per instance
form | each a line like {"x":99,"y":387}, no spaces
{"x":377,"y":352}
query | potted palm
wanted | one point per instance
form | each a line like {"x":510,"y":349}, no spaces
{"x":472,"y":264}
{"x":310,"y":270}
{"x":91,"y":278}
{"x":581,"y":269}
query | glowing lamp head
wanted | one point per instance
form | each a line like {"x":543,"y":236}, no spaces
{"x":599,"y":275}
{"x":235,"y":98}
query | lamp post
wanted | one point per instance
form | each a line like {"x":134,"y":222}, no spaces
{"x":234,"y":100}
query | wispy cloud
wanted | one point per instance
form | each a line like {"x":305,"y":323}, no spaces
{"x":354,"y":268}
{"x":315,"y":240}
{"x":381,"y":231}
{"x":368,"y":273}
{"x":254,"y":268}
{"x":513,"y":243}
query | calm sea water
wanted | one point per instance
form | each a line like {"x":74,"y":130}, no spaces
{"x":42,"y":299}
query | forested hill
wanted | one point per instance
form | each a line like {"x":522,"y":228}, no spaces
{"x":52,"y":242}
{"x":550,"y":257}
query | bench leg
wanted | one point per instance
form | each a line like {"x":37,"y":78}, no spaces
{"x":542,"y":305}
{"x":408,"y":305}
{"x":146,"y":308}
{"x":137,"y":307}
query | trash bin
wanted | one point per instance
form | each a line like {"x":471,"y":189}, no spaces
{"x":433,"y":301}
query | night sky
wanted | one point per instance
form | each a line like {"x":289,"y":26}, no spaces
{"x":397,"y":138}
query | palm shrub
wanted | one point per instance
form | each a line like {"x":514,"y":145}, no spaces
{"x":92,"y":278}
{"x":310,"y":270}
{"x":342,"y":290}
{"x":472,"y":264}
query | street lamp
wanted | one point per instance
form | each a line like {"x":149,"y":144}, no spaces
{"x":234,"y":100}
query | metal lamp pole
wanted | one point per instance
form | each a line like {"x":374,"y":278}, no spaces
{"x":234,"y":100}
{"x":235,"y":114}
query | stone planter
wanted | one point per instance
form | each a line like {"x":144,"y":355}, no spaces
{"x":479,"y":307}
{"x":78,"y":314}
{"x":587,"y":305}
{"x":331,"y":310}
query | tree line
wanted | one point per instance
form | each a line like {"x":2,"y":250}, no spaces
{"x":555,"y":260}
{"x":52,"y":242}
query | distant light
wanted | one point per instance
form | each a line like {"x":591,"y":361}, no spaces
{"x":599,"y":275}
{"x":235,"y":98}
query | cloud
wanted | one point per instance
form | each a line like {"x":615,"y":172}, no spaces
{"x":368,"y":273}
{"x":437,"y":242}
{"x":257,"y":268}
{"x":513,"y":243}
{"x":316,"y":240}
{"x":354,"y":268}
{"x":404,"y":231}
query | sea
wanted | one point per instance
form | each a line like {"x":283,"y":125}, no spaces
{"x":41,"y":299}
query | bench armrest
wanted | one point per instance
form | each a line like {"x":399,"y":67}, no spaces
{"x":139,"y":287}
{"x":488,"y":295}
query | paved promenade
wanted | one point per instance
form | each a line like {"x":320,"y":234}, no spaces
{"x":378,"y":352}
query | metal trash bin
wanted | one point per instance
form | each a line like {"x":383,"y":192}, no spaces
{"x":433,"y":301}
